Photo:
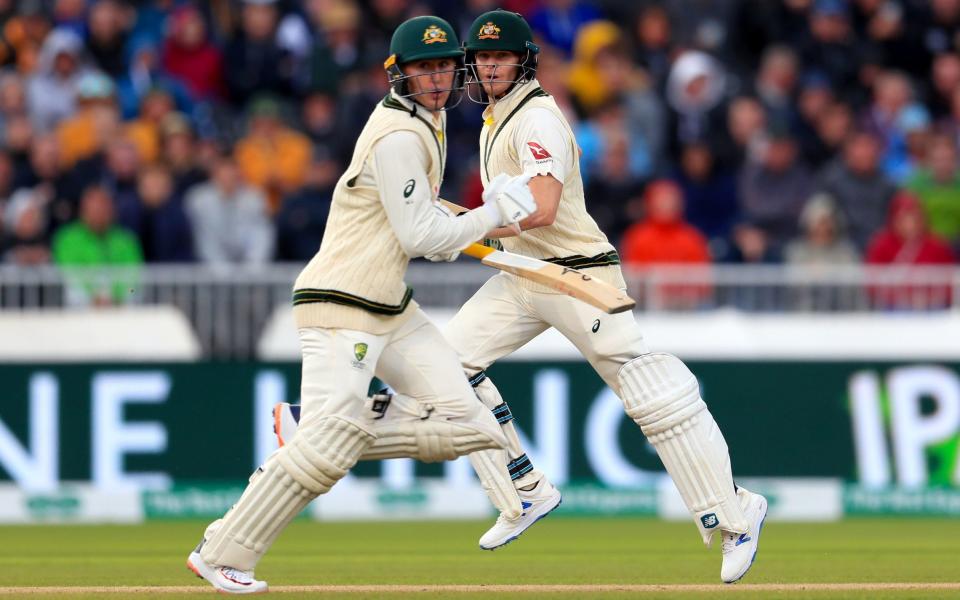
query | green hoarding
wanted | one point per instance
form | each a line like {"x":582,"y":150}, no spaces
{"x":882,"y":424}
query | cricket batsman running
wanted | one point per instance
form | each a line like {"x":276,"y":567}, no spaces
{"x":356,"y":318}
{"x":525,"y":133}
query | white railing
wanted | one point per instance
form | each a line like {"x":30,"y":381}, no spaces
{"x":228,"y":306}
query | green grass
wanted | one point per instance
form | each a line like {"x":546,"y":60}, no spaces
{"x":556,"y":551}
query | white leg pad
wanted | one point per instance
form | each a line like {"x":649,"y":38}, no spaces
{"x":409,"y":429}
{"x":662,"y":396}
{"x":320,"y":453}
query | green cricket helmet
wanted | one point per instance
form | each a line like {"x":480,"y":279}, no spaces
{"x":500,"y":30}
{"x":424,"y":38}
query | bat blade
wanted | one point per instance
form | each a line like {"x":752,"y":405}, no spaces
{"x":571,"y":282}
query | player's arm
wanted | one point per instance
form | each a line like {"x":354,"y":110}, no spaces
{"x":541,"y":144}
{"x":421,"y":226}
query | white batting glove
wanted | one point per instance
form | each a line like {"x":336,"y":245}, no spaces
{"x":443,"y":256}
{"x":510,"y":197}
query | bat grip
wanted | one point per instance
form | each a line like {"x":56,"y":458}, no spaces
{"x":478,"y":251}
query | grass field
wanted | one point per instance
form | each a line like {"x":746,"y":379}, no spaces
{"x":580,"y":554}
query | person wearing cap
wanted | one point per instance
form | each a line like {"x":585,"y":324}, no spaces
{"x":525,"y":134}
{"x":357,"y":319}
{"x":94,"y":124}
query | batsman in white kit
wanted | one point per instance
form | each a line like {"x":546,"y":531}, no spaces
{"x":356,"y":318}
{"x":525,"y":134}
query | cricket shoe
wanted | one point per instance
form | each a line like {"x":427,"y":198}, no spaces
{"x":537,"y":503}
{"x":740,"y":549}
{"x":223,"y":579}
{"x":286,"y":417}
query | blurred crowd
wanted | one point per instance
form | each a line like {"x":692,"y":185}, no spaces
{"x":743,"y":131}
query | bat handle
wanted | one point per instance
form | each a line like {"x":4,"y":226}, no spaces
{"x":478,"y":251}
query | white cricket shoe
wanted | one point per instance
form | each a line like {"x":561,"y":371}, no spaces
{"x":740,"y":549}
{"x":224,"y":579}
{"x":537,"y":503}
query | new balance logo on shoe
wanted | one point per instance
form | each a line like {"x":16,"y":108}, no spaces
{"x":743,"y":538}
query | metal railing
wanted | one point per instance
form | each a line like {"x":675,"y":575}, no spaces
{"x":229,"y":306}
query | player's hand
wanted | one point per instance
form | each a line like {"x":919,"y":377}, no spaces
{"x":511,"y":197}
{"x":443,"y":256}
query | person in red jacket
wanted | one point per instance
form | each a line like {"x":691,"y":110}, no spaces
{"x":664,"y":237}
{"x":906,"y":240}
{"x":189,"y":56}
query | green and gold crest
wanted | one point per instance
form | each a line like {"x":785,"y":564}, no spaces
{"x":360,"y":350}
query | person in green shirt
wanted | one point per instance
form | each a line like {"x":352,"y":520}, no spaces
{"x":938,"y":187}
{"x":94,"y":240}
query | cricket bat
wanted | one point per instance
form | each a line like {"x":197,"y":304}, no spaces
{"x":571,"y":282}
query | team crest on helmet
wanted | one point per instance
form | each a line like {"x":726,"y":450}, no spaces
{"x":489,"y":31}
{"x":434,"y":35}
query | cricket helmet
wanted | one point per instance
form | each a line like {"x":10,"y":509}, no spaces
{"x":424,"y":38}
{"x":501,"y":30}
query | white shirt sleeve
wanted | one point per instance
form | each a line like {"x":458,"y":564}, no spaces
{"x":542,"y":144}
{"x":422,"y":227}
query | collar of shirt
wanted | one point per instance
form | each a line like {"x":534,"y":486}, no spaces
{"x":417,"y":108}
{"x":499,"y":109}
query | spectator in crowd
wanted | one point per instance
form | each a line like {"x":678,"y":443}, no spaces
{"x":654,"y":46}
{"x":303,"y":216}
{"x":107,"y":36}
{"x":696,"y":95}
{"x":25,"y":241}
{"x":745,"y":127}
{"x":229,"y":219}
{"x":829,"y":47}
{"x":45,"y":177}
{"x":318,"y":116}
{"x":906,"y":240}
{"x":937,"y":185}
{"x":95,"y":240}
{"x":749,"y":245}
{"x":116,"y":170}
{"x":178,"y":152}
{"x":52,"y":89}
{"x":832,"y":125}
{"x":822,"y":242}
{"x":95,"y":122}
{"x":23,"y":34}
{"x":945,"y":79}
{"x":272,"y":156}
{"x":938,"y":30}
{"x":253,"y":61}
{"x":17,"y":138}
{"x":814,"y":97}
{"x":143,"y":76}
{"x":160,"y":220}
{"x":775,"y":84}
{"x":774,"y":188}
{"x":888,"y":28}
{"x":189,"y":56}
{"x":612,"y":187}
{"x":602,"y":74}
{"x":144,"y":131}
{"x":558,"y":22}
{"x":861,"y":191}
{"x":70,"y":15}
{"x":341,"y":48}
{"x":710,"y":194}
{"x":13,"y":99}
{"x":663,"y":236}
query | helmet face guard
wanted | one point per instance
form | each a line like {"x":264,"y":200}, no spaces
{"x":400,"y":83}
{"x":493,"y":31}
{"x":424,"y":39}
{"x":526,"y":71}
